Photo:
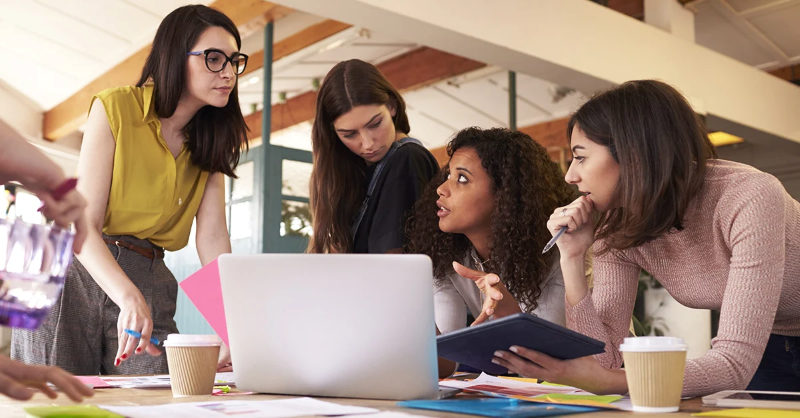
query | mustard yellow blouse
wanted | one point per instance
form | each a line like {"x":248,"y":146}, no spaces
{"x":153,"y":195}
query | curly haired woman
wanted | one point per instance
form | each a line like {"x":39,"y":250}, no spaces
{"x":487,"y":212}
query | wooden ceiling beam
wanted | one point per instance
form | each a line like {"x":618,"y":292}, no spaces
{"x":410,"y":71}
{"x":66,"y":117}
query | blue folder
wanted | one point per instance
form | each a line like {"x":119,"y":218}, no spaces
{"x":475,"y":346}
{"x":498,"y":407}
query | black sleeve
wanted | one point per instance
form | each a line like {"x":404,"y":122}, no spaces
{"x":410,"y":171}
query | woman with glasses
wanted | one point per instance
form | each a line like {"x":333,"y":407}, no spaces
{"x":153,"y":159}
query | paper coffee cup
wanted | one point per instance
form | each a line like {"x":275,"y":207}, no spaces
{"x":192,"y":361}
{"x":654,"y":368}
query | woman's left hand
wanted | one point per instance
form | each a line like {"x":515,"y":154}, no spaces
{"x":584,"y":373}
{"x":499,"y":301}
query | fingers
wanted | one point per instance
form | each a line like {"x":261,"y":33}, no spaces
{"x":44,"y":388}
{"x":13,"y":389}
{"x":68,"y":384}
{"x":225,"y":368}
{"x":122,"y":343}
{"x":541,"y":359}
{"x":153,"y":350}
{"x":467,"y":272}
{"x":144,"y":342}
{"x":519,"y":365}
{"x":572,"y":216}
{"x":483,"y":317}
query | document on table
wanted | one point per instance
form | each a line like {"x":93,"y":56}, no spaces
{"x":536,"y":392}
{"x":282,"y":408}
{"x":157,"y":381}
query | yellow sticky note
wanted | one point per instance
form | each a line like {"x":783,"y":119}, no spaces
{"x":69,"y":411}
{"x":563,"y":397}
{"x":520,"y":379}
{"x":750,"y":413}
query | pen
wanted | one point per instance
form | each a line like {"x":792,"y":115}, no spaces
{"x":136,"y":334}
{"x":553,"y":240}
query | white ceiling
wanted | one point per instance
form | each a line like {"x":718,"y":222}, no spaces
{"x":59,"y":46}
{"x":761,"y":33}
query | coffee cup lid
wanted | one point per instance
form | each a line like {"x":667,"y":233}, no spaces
{"x":653,"y":344}
{"x":188,"y":340}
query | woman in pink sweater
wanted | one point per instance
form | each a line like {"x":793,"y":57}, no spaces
{"x":716,"y":234}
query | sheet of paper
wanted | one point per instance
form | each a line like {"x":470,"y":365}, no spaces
{"x":205,"y":291}
{"x":157,"y":381}
{"x":506,"y":387}
{"x":283,"y":408}
{"x":95,"y":382}
{"x":750,"y":413}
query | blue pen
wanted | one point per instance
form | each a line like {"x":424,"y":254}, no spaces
{"x":136,"y":334}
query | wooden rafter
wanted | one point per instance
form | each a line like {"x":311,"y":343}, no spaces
{"x":70,"y":114}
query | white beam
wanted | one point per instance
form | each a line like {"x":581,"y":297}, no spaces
{"x":671,"y":17}
{"x":578,"y":44}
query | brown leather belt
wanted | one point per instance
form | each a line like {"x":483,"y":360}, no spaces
{"x":151,"y":253}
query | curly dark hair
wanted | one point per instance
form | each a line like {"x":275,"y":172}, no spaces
{"x":528,"y":187}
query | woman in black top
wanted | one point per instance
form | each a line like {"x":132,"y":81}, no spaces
{"x":367,"y":171}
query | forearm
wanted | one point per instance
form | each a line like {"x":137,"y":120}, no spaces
{"x":105,"y":270}
{"x":211,"y":246}
{"x":21,"y":161}
{"x":575,"y":286}
{"x":603,"y":382}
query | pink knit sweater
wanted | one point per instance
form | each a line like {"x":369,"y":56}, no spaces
{"x":739,"y":252}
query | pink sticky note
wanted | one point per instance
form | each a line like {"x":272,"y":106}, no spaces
{"x":95,"y":381}
{"x":204,"y":290}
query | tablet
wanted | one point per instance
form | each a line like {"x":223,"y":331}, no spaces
{"x":475,"y":346}
{"x":754,"y":399}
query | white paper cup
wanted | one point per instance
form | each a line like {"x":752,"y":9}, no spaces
{"x":192,"y":361}
{"x":654,"y":368}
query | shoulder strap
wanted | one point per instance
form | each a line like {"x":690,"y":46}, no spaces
{"x":374,"y":181}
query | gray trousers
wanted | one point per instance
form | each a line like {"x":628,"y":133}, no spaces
{"x":80,"y":332}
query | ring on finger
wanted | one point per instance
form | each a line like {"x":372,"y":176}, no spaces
{"x":564,"y":212}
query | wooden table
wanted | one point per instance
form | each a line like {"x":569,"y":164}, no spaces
{"x":131,"y":397}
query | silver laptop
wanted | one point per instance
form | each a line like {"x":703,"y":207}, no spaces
{"x":345,"y":325}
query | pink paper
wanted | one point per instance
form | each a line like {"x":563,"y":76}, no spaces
{"x":94,"y":381}
{"x":204,"y":290}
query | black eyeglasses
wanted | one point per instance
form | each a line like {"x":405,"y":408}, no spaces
{"x":216,"y":60}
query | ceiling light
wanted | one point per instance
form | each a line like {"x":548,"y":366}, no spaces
{"x":252,"y":80}
{"x":720,"y":139}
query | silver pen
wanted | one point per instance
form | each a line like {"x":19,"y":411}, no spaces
{"x":553,"y":240}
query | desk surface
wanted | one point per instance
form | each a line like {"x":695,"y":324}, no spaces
{"x":131,"y":397}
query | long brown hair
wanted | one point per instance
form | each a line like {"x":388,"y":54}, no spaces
{"x":338,"y":176}
{"x":662,"y":148}
{"x":528,"y":186}
{"x":215,"y":135}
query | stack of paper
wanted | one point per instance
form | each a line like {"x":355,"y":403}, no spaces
{"x":527,"y":390}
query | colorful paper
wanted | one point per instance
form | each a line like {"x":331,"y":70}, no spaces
{"x":70,"y":411}
{"x":750,"y":413}
{"x":205,"y":291}
{"x":94,"y":382}
{"x":495,"y":407}
{"x":582,"y":400}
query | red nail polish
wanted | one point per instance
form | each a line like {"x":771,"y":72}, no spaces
{"x":116,"y":362}
{"x":124,"y":356}
{"x":138,"y":349}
